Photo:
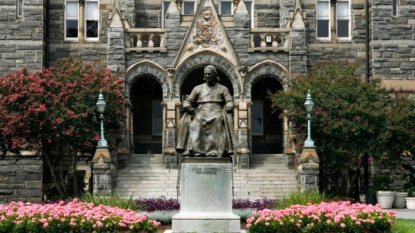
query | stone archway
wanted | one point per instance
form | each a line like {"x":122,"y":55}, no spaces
{"x":146,"y":86}
{"x":201,"y":60}
{"x":267,"y":131}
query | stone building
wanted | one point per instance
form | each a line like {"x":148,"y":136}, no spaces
{"x":162,"y":47}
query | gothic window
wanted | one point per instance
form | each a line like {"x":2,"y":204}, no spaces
{"x":188,"y":7}
{"x":19,"y":8}
{"x":226,"y":7}
{"x":395,"y":8}
{"x":91,"y":19}
{"x":343,"y":19}
{"x":323,"y":19}
{"x":71,"y":20}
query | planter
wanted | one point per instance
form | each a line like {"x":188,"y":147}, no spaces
{"x":399,"y":201}
{"x":410,"y":203}
{"x":385,"y":199}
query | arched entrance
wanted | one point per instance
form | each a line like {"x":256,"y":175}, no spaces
{"x":195,"y":78}
{"x":147,"y":115}
{"x":266,"y":125}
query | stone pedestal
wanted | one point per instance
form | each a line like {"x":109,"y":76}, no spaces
{"x":308,"y":170}
{"x":206,"y":197}
{"x":103,"y":171}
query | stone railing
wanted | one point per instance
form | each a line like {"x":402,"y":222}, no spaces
{"x":146,"y":40}
{"x":269,"y":39}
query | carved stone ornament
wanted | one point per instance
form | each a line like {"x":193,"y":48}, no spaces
{"x":309,"y":159}
{"x":206,"y":33}
{"x":101,"y":162}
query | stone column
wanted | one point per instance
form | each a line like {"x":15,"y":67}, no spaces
{"x":116,"y":50}
{"x":170,"y":127}
{"x":103,"y":171}
{"x":308,"y":169}
{"x":243,"y":127}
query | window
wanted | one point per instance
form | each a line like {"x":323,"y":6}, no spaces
{"x":164,"y":7}
{"x":250,"y":7}
{"x":91,"y":19}
{"x":395,"y":8}
{"x":343,"y":19}
{"x":226,"y":8}
{"x":323,"y":20}
{"x":19,"y":8}
{"x":188,"y":7}
{"x":71,"y":20}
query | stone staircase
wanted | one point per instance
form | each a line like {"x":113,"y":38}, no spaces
{"x":145,"y":176}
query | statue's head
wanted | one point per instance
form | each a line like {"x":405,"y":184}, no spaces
{"x":210,"y":73}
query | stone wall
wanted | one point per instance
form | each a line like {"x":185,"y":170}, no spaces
{"x":393,"y":40}
{"x":21,"y":179}
{"x":21,"y":39}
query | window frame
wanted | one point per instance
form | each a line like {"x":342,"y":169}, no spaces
{"x":19,"y":6}
{"x":349,"y":18}
{"x":164,"y":11}
{"x":395,"y":7}
{"x":329,"y":18}
{"x":251,"y":13}
{"x":220,"y":8}
{"x":71,"y":39}
{"x":86,"y":38}
{"x":194,"y":6}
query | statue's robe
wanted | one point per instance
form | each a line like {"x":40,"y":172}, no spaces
{"x":210,"y":130}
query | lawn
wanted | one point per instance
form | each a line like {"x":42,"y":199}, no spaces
{"x":404,"y":226}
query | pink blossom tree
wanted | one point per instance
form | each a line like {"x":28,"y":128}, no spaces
{"x":53,"y":111}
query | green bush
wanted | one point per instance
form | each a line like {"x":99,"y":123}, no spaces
{"x":114,"y":200}
{"x":302,"y":198}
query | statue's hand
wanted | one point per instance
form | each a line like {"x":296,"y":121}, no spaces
{"x":189,"y":109}
{"x":229,"y":106}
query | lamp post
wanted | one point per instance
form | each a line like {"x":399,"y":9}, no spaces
{"x":103,"y":170}
{"x":309,"y":161}
{"x":309,"y":106}
{"x":101,"y":107}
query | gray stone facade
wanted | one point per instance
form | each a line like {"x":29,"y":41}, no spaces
{"x":21,"y":179}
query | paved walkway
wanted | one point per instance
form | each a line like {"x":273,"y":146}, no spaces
{"x":404,"y":213}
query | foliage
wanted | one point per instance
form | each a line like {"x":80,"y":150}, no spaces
{"x":244,"y":214}
{"x":53,"y":111}
{"x":164,"y":217}
{"x":351,"y":121}
{"x":258,"y":204}
{"x":73,"y":217}
{"x":114,"y":200}
{"x":404,"y":226}
{"x":157,"y":204}
{"x":323,"y":217}
{"x":302,"y":198}
{"x":381,"y":182}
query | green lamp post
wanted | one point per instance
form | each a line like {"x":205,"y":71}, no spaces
{"x":101,"y":107}
{"x":309,"y":106}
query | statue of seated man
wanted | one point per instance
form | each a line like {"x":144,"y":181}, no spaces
{"x":206,"y":128}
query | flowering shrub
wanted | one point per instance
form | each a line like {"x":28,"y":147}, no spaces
{"x":258,"y":204}
{"x":157,"y":204}
{"x":323,"y":217}
{"x":75,"y":216}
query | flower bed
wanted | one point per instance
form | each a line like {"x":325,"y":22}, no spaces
{"x":324,"y":217}
{"x":74,"y":216}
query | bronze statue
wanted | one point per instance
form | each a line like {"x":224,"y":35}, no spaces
{"x":206,"y":128}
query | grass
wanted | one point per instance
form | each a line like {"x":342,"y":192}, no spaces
{"x":404,"y":226}
{"x":302,"y":198}
{"x":114,"y":200}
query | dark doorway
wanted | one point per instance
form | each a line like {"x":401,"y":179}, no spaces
{"x":266,"y":125}
{"x":146,"y":99}
{"x":196,"y":77}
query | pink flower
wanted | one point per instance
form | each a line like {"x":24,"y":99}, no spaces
{"x":343,"y":225}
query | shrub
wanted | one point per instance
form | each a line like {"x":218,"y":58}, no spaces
{"x":323,"y":217}
{"x":258,"y":204}
{"x":73,"y":217}
{"x":302,"y":198}
{"x":164,"y":217}
{"x":157,"y":204}
{"x":114,"y":200}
